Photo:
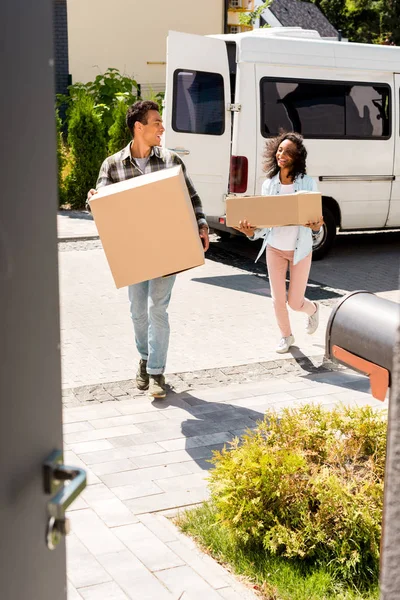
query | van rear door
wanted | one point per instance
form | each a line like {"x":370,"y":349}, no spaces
{"x":196,"y":117}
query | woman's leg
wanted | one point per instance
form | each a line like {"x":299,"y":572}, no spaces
{"x":297,"y":287}
{"x":277,"y":263}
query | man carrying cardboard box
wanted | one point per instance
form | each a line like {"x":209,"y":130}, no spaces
{"x":150,"y":299}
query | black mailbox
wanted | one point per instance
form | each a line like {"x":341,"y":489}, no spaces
{"x":361,"y":334}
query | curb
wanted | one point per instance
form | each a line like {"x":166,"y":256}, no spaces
{"x":81,"y":238}
{"x":208,"y":378}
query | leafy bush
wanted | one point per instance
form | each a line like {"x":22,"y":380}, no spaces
{"x":87,"y":149}
{"x":307,"y":485}
{"x":105,"y":91}
{"x":61,"y":160}
{"x":119,"y":134}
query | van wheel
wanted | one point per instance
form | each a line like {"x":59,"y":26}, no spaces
{"x":224,"y":235}
{"x":323,"y":240}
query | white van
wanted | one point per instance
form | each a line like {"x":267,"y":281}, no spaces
{"x":227,"y":94}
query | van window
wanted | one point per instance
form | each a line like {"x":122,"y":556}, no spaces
{"x":199,"y":102}
{"x":322,"y":109}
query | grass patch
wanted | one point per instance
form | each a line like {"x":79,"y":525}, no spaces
{"x":296,"y":504}
{"x":275,"y":578}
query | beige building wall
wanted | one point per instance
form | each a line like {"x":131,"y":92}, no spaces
{"x":131,"y":35}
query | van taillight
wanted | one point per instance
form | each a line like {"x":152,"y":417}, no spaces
{"x":238,"y":174}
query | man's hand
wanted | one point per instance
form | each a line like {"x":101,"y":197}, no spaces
{"x":203,"y":233}
{"x":315,"y":225}
{"x":246,"y":228}
{"x":90,"y":194}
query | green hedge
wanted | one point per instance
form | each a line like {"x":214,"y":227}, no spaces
{"x":307,"y":485}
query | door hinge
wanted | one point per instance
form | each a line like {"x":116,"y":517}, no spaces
{"x":234,"y":107}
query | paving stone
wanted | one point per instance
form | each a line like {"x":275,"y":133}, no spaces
{"x":93,"y":458}
{"x":86,"y":413}
{"x":146,"y":546}
{"x":114,"y":466}
{"x":202,"y":564}
{"x":127,"y":420}
{"x":184,"y":482}
{"x":82,"y":567}
{"x":72,"y":593}
{"x":184,"y":579}
{"x":92,"y":532}
{"x":168,"y":458}
{"x":101,"y":434}
{"x":133,"y":577}
{"x":160,"y":526}
{"x":113,"y":512}
{"x":141,"y":489}
{"x":94,"y":446}
{"x":74,"y":427}
{"x":145,"y":474}
{"x":104,"y":591}
{"x":196,"y":441}
{"x":230,"y":593}
{"x":168,"y":500}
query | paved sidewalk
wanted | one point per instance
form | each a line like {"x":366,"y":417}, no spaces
{"x":220,"y":316}
{"x":145,"y":460}
{"x":75,"y":225}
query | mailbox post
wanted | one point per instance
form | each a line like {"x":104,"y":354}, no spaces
{"x":390,"y":547}
{"x":363,"y":333}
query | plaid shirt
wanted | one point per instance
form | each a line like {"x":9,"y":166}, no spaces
{"x":122,"y":166}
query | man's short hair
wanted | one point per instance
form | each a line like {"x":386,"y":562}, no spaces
{"x":138,"y":112}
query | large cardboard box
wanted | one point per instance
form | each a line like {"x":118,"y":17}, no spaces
{"x":147,"y":227}
{"x":274,"y":211}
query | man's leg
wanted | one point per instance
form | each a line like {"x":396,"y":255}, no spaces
{"x":138,"y":297}
{"x":159,"y":296}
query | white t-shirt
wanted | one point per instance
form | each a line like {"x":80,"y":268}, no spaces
{"x":284,"y":238}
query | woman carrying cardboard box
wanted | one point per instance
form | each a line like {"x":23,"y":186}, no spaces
{"x":289,"y":246}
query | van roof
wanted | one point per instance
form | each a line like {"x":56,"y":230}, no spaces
{"x":283,"y":45}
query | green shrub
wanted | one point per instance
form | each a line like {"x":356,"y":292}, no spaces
{"x":61,"y":160}
{"x":87,"y":148}
{"x":104,"y":91}
{"x":307,"y":485}
{"x":118,"y":134}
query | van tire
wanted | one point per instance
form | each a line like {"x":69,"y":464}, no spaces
{"x":224,"y":235}
{"x":322,"y":246}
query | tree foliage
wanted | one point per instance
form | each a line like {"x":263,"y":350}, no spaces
{"x":87,"y":148}
{"x":365,"y":21}
{"x":249,"y":18}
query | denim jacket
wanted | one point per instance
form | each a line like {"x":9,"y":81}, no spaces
{"x":272,"y":187}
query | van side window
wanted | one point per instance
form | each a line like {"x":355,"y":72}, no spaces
{"x":323,"y":109}
{"x":199,"y":102}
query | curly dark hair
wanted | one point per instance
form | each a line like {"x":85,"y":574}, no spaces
{"x":270,"y":164}
{"x":138,"y":112}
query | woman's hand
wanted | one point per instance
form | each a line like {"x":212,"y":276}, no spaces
{"x":315,"y":225}
{"x":246,"y":228}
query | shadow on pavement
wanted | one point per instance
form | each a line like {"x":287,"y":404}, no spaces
{"x":367,"y":260}
{"x":76,"y":214}
{"x":260,"y":286}
{"x":210,"y":425}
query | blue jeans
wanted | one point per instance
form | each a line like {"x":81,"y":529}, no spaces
{"x":149,"y":304}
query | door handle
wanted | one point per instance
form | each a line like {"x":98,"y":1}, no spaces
{"x":180,"y":151}
{"x":55,"y":475}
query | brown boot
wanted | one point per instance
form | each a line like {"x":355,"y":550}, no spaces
{"x":157,"y":387}
{"x":142,"y":377}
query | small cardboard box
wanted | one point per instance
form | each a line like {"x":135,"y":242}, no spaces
{"x":147,"y":227}
{"x":274,"y":211}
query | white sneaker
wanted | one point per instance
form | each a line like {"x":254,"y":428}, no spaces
{"x":285,"y":344}
{"x":313,"y":321}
